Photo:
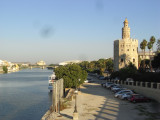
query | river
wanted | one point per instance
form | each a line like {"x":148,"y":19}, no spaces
{"x":24,"y":95}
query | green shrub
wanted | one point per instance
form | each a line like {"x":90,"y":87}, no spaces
{"x":5,"y":69}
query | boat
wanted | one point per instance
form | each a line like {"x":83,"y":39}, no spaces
{"x":51,"y":80}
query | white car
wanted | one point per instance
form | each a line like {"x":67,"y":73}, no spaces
{"x":86,"y":81}
{"x":125,"y":96}
{"x":116,"y":87}
{"x":129,"y":80}
{"x":122,"y":92}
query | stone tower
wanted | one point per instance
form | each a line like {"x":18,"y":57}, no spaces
{"x":125,"y":49}
{"x":125,"y":30}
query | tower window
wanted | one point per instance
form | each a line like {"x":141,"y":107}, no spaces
{"x":133,"y":49}
{"x":121,"y":59}
{"x":133,"y":60}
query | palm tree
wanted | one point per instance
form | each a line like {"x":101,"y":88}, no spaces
{"x":158,"y":45}
{"x":143,"y":47}
{"x":152,"y":40}
{"x":150,"y":45}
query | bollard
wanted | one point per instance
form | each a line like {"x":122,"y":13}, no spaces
{"x":146,"y":84}
{"x":132,"y":83}
{"x":152,"y":85}
{"x":121,"y":82}
{"x":158,"y":86}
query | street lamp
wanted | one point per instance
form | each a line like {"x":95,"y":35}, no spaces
{"x":75,"y":108}
{"x":79,"y":83}
{"x":75,"y":113}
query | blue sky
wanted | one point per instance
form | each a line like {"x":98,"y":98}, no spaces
{"x":61,"y":30}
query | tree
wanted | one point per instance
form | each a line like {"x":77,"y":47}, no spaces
{"x":150,"y":45}
{"x":156,"y":61}
{"x":109,"y":65}
{"x":143,"y":47}
{"x":5,"y":69}
{"x":127,"y":72}
{"x":71,"y":75}
{"x":158,"y":45}
{"x":152,"y":40}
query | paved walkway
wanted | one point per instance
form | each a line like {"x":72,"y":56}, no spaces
{"x":98,"y":103}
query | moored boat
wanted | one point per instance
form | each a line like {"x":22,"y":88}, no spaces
{"x":51,"y":80}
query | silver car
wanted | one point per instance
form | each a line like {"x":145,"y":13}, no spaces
{"x":122,"y":92}
{"x":125,"y":96}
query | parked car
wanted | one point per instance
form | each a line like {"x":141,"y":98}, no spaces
{"x":116,"y":87}
{"x":86,"y":81}
{"x":138,"y":98}
{"x":129,"y":80}
{"x":103,"y":84}
{"x":109,"y":85}
{"x":117,"y":90}
{"x":102,"y":78}
{"x":112,"y":85}
{"x":122,"y":92}
{"x":116,"y":79}
{"x":125,"y":96}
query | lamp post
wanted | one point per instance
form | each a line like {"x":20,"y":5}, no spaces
{"x":79,"y":83}
{"x":75,"y":113}
{"x":75,"y":108}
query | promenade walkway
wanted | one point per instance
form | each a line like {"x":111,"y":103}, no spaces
{"x":98,"y":103}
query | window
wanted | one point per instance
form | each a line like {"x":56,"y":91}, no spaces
{"x":127,"y":49}
{"x":121,"y":59}
{"x":133,"y":49}
{"x":133,"y":60}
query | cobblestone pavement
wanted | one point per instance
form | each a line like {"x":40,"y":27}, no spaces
{"x":98,"y":103}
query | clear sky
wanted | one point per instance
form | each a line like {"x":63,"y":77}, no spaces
{"x":62,"y":30}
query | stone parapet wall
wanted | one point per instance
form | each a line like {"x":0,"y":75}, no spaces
{"x":148,"y":92}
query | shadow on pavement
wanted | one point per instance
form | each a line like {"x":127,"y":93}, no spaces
{"x":113,"y":108}
{"x":67,"y":116}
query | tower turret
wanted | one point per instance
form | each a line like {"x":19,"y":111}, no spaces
{"x":125,"y":30}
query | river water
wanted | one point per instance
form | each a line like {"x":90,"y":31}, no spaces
{"x":24,"y":95}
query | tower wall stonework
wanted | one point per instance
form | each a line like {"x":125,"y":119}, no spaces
{"x":125,"y":49}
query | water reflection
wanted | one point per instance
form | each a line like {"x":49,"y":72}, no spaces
{"x":24,"y":95}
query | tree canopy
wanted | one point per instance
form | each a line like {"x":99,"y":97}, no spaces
{"x":156,"y":61}
{"x":126,"y":72}
{"x":73,"y":75}
{"x":98,"y":66}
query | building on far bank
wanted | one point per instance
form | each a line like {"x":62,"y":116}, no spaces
{"x":12,"y":67}
{"x":41,"y":63}
{"x":146,"y":55}
{"x":70,"y":62}
{"x":125,"y":49}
